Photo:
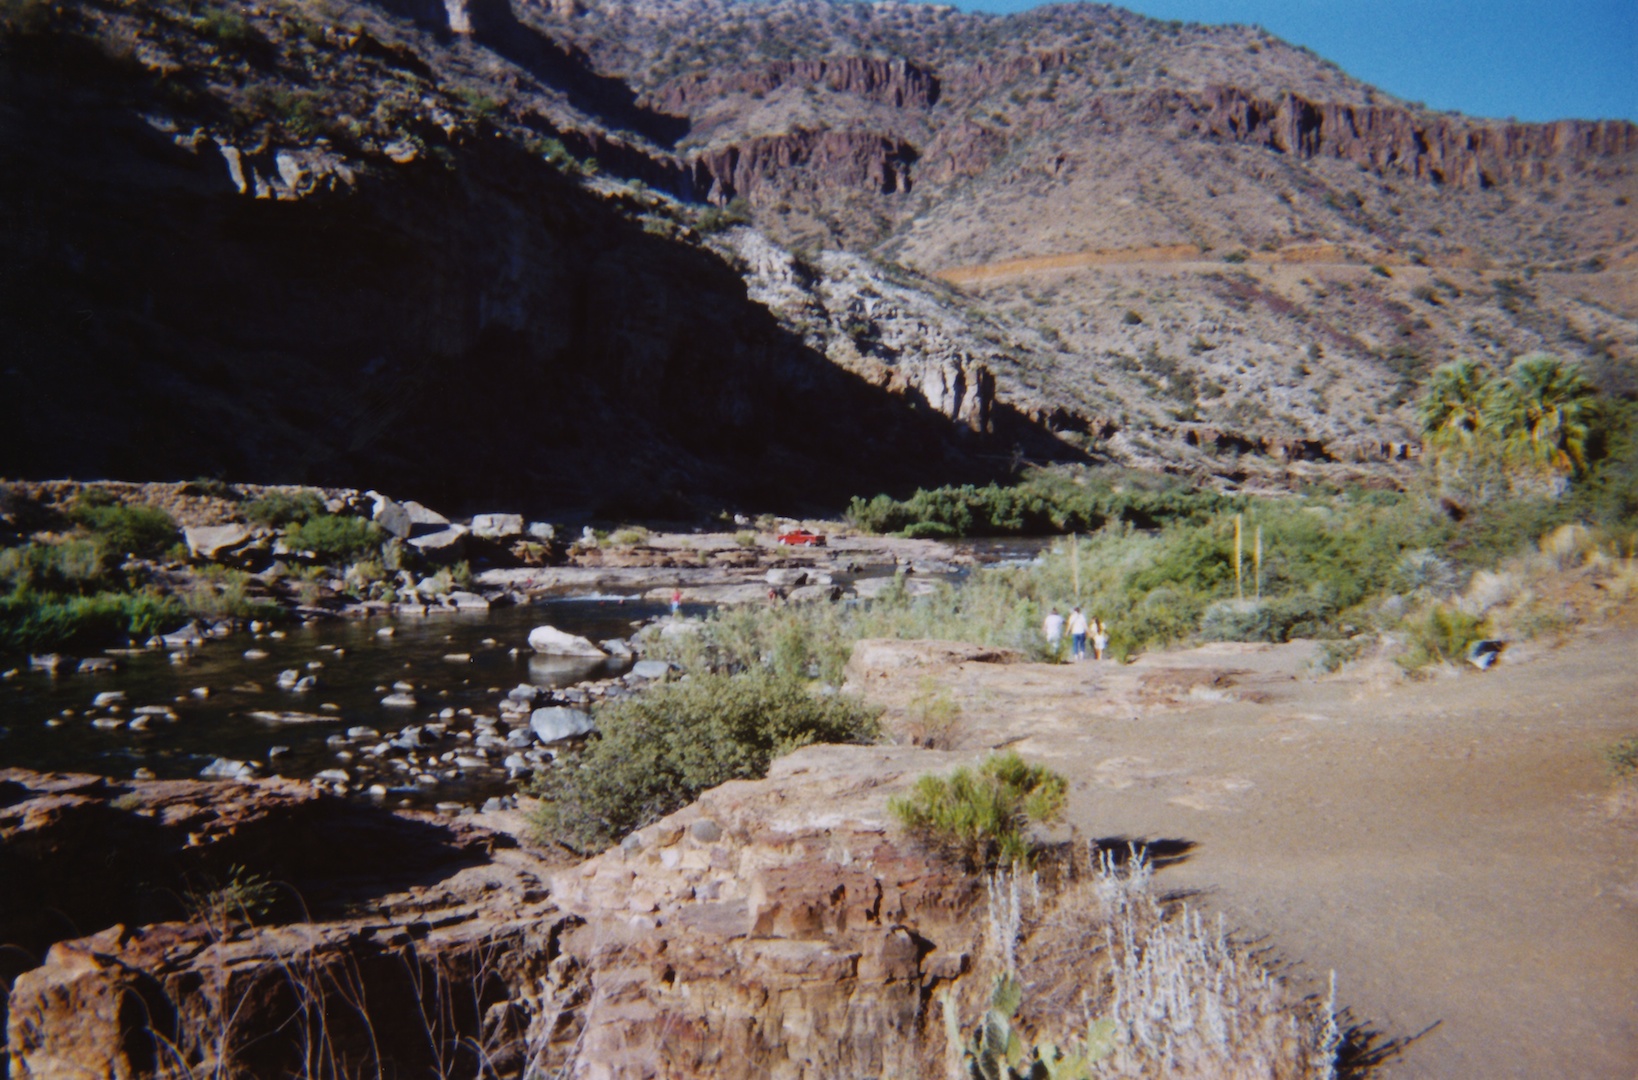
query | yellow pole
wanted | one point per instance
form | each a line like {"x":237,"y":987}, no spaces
{"x":1239,"y":588}
{"x":1075,"y":564}
{"x":1259,"y":557}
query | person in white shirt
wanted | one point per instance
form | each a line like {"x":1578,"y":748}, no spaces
{"x":1077,"y":633}
{"x":1053,"y":628}
{"x":1100,"y":638}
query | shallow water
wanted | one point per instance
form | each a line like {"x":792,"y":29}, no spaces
{"x":455,"y":661}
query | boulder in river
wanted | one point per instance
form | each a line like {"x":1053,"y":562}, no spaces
{"x":554,"y":642}
{"x":228,"y":769}
{"x":557,"y":723}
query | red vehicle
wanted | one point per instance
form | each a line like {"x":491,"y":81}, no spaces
{"x":801,"y":538}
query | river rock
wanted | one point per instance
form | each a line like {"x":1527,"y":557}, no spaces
{"x":554,"y":642}
{"x":542,"y":531}
{"x":209,"y":541}
{"x":786,"y":577}
{"x":446,"y":543}
{"x":190,"y":636}
{"x":107,"y":698}
{"x":556,"y":723}
{"x":617,"y":648}
{"x":497,"y":526}
{"x":399,"y":701}
{"x":228,"y":769}
{"x":96,"y":665}
{"x":48,"y":662}
{"x":650,"y":669}
{"x":462,"y":600}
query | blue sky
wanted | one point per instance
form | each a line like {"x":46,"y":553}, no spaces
{"x":1530,"y":59}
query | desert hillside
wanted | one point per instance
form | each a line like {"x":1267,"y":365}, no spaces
{"x":648,"y":258}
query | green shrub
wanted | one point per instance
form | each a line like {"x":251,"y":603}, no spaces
{"x":656,"y":753}
{"x":277,"y":509}
{"x":983,"y":817}
{"x":144,"y":531}
{"x":68,"y":567}
{"x":334,"y":538}
{"x":1443,"y":635}
{"x":30,"y":621}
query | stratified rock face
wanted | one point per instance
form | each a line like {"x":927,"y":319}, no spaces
{"x":897,"y":82}
{"x":859,"y":161}
{"x":777,"y":928}
{"x":1387,"y":139}
{"x":772,"y":930}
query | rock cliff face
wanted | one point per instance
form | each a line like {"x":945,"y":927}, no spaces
{"x":897,"y":82}
{"x":1397,"y":141}
{"x":802,"y":161}
{"x":775,"y":929}
{"x":444,"y":314}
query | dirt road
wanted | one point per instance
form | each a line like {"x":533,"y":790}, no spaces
{"x":1444,"y":846}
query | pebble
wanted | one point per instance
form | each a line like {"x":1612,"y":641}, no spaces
{"x":11,"y":673}
{"x":404,"y":687}
{"x":107,"y":698}
{"x":426,"y":780}
{"x":363,"y":733}
{"x":332,"y":776}
{"x":466,"y":762}
{"x":255,"y":654}
{"x":446,"y":714}
{"x":314,"y":665}
{"x":139,"y":724}
{"x":399,"y":701}
{"x":54,"y":722}
{"x":385,"y":631}
{"x":200,"y":692}
{"x":378,"y":791}
{"x":107,"y":723}
{"x":450,"y":807}
{"x":276,"y":635}
{"x":458,"y":657}
{"x":275,"y":751}
{"x":143,"y":774}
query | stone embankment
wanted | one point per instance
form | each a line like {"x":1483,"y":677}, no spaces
{"x":774,"y":928}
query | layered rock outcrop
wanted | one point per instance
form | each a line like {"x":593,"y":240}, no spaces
{"x":1388,"y":139}
{"x":774,"y":929}
{"x":861,"y":161}
{"x":897,"y":82}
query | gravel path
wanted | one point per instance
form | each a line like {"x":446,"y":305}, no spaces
{"x":1445,"y":846}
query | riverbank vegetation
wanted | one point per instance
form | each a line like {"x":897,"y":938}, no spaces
{"x":655,"y":753}
{"x":1527,"y":473}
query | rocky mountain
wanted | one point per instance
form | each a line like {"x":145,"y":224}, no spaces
{"x":651,"y":257}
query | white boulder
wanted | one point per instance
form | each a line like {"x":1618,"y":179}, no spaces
{"x":554,"y":642}
{"x":557,"y":723}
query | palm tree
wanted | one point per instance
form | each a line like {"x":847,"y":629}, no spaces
{"x":1542,"y":412}
{"x":1453,"y":412}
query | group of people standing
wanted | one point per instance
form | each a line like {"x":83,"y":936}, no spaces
{"x":1080,"y":630}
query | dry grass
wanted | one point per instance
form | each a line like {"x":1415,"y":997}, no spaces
{"x":1165,"y":993}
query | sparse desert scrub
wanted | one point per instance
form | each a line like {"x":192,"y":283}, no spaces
{"x":1097,"y":976}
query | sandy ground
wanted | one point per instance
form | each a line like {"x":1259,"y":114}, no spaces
{"x":1445,"y":846}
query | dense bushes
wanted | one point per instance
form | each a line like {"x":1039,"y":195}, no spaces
{"x":31,"y":620}
{"x":334,"y":538}
{"x":277,"y":509}
{"x":1046,"y":502}
{"x":654,"y":754}
{"x":144,"y":531}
